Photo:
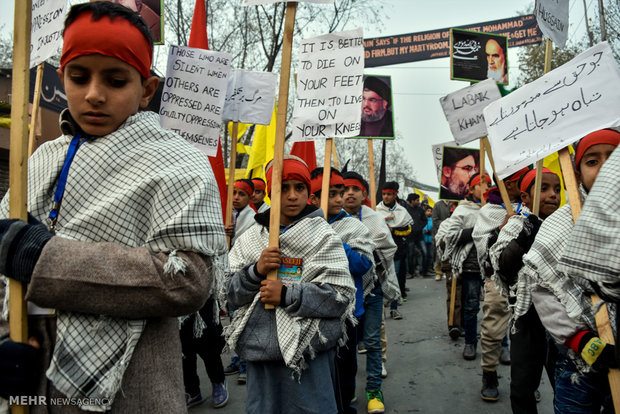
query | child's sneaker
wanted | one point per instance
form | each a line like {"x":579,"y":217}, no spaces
{"x":191,"y":401}
{"x":233,"y":367}
{"x":375,"y":401}
{"x":219,"y":397}
{"x":243,"y":373}
{"x":395,"y":314}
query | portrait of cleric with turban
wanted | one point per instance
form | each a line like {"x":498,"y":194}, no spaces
{"x":377,"y":118}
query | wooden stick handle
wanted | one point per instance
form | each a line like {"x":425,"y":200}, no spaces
{"x":335,"y":154}
{"x":537,"y":186}
{"x":278,"y":151}
{"x":570,"y":181}
{"x":327,"y":172}
{"x":500,"y":183}
{"x":36,"y":101}
{"x":483,"y":181}
{"x":231,"y":175}
{"x":606,"y":334}
{"x":452,"y":301}
{"x":371,"y":176}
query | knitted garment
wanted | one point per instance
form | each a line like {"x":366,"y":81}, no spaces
{"x":137,"y":186}
{"x":463,"y":217}
{"x":324,"y":261}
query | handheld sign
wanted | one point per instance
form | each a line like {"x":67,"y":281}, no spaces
{"x":562,"y":106}
{"x":463,"y":110}
{"x":438,"y":156}
{"x":48,"y":18}
{"x":329,"y":86}
{"x":193,"y":96}
{"x":552,"y":18}
{"x":475,"y":56}
{"x":250,"y":97}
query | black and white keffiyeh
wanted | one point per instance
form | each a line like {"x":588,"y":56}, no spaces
{"x":243,"y":220}
{"x":396,"y":216}
{"x":463,"y":217}
{"x":324,"y":261}
{"x":593,"y":249}
{"x":138,"y":186}
{"x":356,"y":235}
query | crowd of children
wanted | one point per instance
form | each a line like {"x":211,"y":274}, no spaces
{"x":127,"y":279}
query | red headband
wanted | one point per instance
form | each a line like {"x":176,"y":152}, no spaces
{"x":356,"y":183}
{"x":476,"y":180}
{"x":317,"y":183}
{"x":292,"y":169}
{"x":603,"y":136}
{"x":259,"y":184}
{"x":527,"y":179}
{"x":116,"y":38}
{"x":518,"y":174}
{"x":243,"y":186}
{"x":389,"y":190}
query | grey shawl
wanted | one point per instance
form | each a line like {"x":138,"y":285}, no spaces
{"x":138,"y":186}
{"x":243,"y":221}
{"x":463,"y":217}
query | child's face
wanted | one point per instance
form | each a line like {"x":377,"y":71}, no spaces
{"x":335,"y":202}
{"x":549,"y":194}
{"x":353,"y":197}
{"x":258,"y":196}
{"x":240,"y":199}
{"x":476,"y":191}
{"x":102,"y":92}
{"x":428,"y":212}
{"x":388,"y":198}
{"x":591,"y":162}
{"x":293,"y":199}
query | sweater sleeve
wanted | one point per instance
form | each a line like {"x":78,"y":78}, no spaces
{"x":510,"y":262}
{"x":243,"y":286}
{"x":109,"y":279}
{"x":358,"y":263}
{"x":310,"y":300}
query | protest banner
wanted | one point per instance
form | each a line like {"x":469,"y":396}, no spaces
{"x":329,"y":86}
{"x":48,"y":18}
{"x":438,"y":156}
{"x":554,"y":110}
{"x":552,"y":18}
{"x":18,"y":160}
{"x":193,"y":96}
{"x":250,"y":97}
{"x":475,"y":56}
{"x":257,"y":2}
{"x":433,"y":44}
{"x":463,"y":110}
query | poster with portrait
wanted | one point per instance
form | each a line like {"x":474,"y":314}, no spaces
{"x":476,"y":56}
{"x":377,"y":107}
{"x":152,"y":11}
{"x":458,"y":165}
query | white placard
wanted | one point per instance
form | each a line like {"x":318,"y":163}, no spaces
{"x":255,"y":2}
{"x":250,"y":97}
{"x":48,"y":18}
{"x":463,"y":110}
{"x":329,"y":86}
{"x":552,"y":18}
{"x":544,"y":116}
{"x":193,"y":95}
{"x":438,"y":156}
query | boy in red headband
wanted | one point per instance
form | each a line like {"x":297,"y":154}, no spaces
{"x":259,"y":195}
{"x":562,"y":300}
{"x":313,"y":298}
{"x":134,"y":239}
{"x":359,"y":248}
{"x":529,"y":350}
{"x":242,"y":213}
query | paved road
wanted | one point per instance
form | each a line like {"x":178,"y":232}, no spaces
{"x":426,"y":372}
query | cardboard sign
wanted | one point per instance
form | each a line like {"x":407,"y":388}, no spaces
{"x":48,"y":18}
{"x":250,"y":97}
{"x":438,"y":156}
{"x":555,"y":110}
{"x":193,"y":95}
{"x":463,"y":110}
{"x":256,"y":2}
{"x":475,"y":56}
{"x":552,"y":18}
{"x":329,"y":86}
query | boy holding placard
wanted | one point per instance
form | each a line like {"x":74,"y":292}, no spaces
{"x":135,"y":243}
{"x":529,"y":350}
{"x":359,"y":248}
{"x":563,"y":302}
{"x":290,"y":351}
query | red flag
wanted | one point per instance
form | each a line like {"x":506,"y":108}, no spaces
{"x":198,"y":39}
{"x":305,"y":151}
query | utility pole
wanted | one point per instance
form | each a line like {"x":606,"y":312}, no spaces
{"x":601,"y":15}
{"x":590,"y":35}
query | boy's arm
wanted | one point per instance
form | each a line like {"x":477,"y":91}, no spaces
{"x":243,"y":286}
{"x":310,"y":300}
{"x":359,"y":264}
{"x":109,"y":279}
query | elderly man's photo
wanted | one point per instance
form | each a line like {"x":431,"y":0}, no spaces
{"x":458,"y":165}
{"x":377,"y":115}
{"x":496,"y":61}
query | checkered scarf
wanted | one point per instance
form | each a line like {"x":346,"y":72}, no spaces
{"x":491,"y":216}
{"x":138,"y":186}
{"x":325,"y":261}
{"x":463,"y":217}
{"x":243,"y":221}
{"x":356,"y":235}
{"x":397,"y":212}
{"x":385,"y":249}
{"x":592,"y":252}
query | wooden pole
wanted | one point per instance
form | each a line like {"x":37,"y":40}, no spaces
{"x":452,"y":301}
{"x":278,"y":151}
{"x":231,"y":175}
{"x":36,"y":101}
{"x":371,"y":176}
{"x":335,"y":154}
{"x":500,"y":183}
{"x":327,"y":172}
{"x":483,"y":180}
{"x":18,"y":159}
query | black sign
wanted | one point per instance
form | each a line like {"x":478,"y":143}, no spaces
{"x":52,"y":93}
{"x":477,"y":56}
{"x":433,"y":44}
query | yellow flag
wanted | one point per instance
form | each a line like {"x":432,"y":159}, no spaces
{"x":240,"y":129}
{"x":553,"y":163}
{"x":262,"y":148}
{"x":422,"y":194}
